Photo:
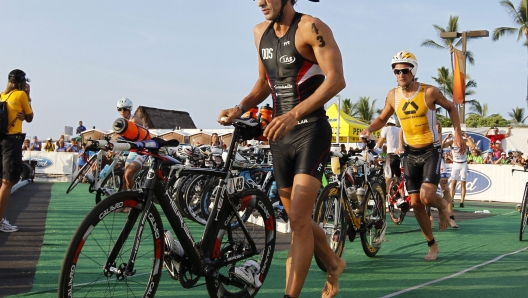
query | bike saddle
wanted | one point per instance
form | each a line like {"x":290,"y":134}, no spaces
{"x":247,"y":122}
{"x":166,"y":143}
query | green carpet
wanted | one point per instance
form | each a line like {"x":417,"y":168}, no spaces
{"x":398,"y":266}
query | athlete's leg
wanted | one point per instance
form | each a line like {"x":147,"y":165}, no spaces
{"x":429,"y":197}
{"x":425,"y":225}
{"x":462,"y":191}
{"x":307,"y":237}
{"x":130,"y":172}
{"x":444,"y":184}
{"x":453,"y":188}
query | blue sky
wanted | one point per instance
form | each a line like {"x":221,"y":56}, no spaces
{"x":199,"y":56}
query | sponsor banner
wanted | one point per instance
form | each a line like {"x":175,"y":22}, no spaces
{"x":52,"y":162}
{"x":493,"y":183}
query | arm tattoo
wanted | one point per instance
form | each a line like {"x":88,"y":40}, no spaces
{"x":314,"y":29}
{"x":322,"y":43}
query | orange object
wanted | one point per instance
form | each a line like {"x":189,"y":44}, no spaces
{"x":130,"y":130}
{"x":265,"y":115}
{"x":252,"y":113}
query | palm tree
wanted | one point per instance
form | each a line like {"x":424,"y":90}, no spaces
{"x":448,"y":43}
{"x":519,"y":17}
{"x":517,"y":115}
{"x":477,"y":108}
{"x":364,"y":110}
{"x":346,"y":107}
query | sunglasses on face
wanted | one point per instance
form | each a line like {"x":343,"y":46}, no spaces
{"x":404,"y":71}
{"x":122,"y":109}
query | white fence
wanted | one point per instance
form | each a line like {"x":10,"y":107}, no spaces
{"x":61,"y":163}
{"x":494,"y":183}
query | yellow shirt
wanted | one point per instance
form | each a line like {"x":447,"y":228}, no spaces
{"x":17,"y":101}
{"x":417,"y":120}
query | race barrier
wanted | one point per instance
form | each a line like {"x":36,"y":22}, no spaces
{"x":493,"y":183}
{"x":61,"y":163}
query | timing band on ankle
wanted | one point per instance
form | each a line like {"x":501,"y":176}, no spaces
{"x":452,"y":217}
{"x":430,"y":243}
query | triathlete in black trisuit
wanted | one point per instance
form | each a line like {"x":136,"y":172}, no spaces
{"x":297,"y":52}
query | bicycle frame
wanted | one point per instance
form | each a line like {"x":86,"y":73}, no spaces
{"x":99,"y":168}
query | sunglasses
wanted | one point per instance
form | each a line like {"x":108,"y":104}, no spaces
{"x":404,"y":71}
{"x":122,"y":109}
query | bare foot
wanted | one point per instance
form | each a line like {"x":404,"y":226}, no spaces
{"x":443,"y":219}
{"x":331,"y":287}
{"x":433,"y":252}
{"x":453,"y":223}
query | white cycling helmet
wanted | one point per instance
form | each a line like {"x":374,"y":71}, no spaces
{"x":125,"y":103}
{"x":407,"y":58}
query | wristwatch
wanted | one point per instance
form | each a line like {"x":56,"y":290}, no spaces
{"x":241,"y":107}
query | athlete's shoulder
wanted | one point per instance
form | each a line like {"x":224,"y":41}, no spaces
{"x":309,"y":22}
{"x":259,"y":30}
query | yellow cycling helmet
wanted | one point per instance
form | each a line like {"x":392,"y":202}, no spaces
{"x":407,"y":58}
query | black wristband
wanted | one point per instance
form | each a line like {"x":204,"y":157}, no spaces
{"x":241,"y":107}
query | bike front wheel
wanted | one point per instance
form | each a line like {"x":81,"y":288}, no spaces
{"x":91,"y":269}
{"x":240,"y":270}
{"x":330,"y":215}
{"x":374,"y":222}
{"x":524,"y":213}
{"x":112,"y":183}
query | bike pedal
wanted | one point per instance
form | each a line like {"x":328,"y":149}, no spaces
{"x":351,"y":234}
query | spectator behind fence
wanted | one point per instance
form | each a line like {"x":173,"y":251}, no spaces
{"x":475,"y":157}
{"x":80,"y":128}
{"x":517,"y":159}
{"x":83,"y":156}
{"x":497,"y":150}
{"x":36,"y":145}
{"x":61,"y":138}
{"x":74,"y":146}
{"x":494,"y":135}
{"x":487,"y":157}
{"x":61,"y":146}
{"x":49,"y":146}
{"x":503,"y":160}
{"x":26,"y":145}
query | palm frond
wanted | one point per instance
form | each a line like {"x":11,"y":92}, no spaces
{"x":432,"y":44}
{"x":502,"y":31}
{"x":510,"y":9}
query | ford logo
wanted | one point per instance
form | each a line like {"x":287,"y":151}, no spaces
{"x":42,"y":162}
{"x":476,"y":182}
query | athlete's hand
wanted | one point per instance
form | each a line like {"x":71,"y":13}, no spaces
{"x":364,"y":134}
{"x":21,"y":116}
{"x":227,"y":116}
{"x":279,"y":126}
{"x":458,"y":142}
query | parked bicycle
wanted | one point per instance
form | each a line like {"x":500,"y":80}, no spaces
{"x":104,"y":180}
{"x":122,"y":254}
{"x":353,"y":204}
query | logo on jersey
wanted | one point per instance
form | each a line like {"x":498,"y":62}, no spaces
{"x":409,"y":108}
{"x":267,"y":53}
{"x":287,"y":59}
{"x":286,"y":43}
{"x":287,"y":86}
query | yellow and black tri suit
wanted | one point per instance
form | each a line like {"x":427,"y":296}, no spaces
{"x":423,"y":153}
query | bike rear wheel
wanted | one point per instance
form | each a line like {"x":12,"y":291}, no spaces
{"x":374,"y":220}
{"x":86,"y":268}
{"x":330,"y":215}
{"x":230,"y":242}
{"x":396,"y":214}
{"x":82,"y":172}
{"x":524,"y":213}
